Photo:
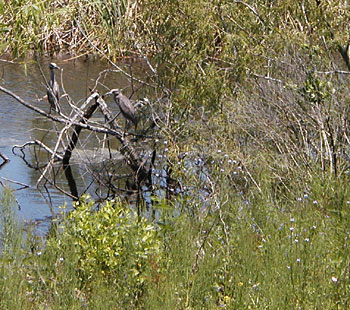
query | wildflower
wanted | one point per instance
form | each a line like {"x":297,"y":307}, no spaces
{"x":300,"y":199}
{"x":296,"y":240}
{"x":219,"y":151}
{"x":288,"y":267}
{"x":307,"y":240}
{"x":39,"y":253}
{"x":291,"y":228}
{"x":315,"y":202}
{"x":229,"y":161}
{"x":61,"y":259}
{"x":334,"y":279}
{"x":165,"y":142}
{"x":292,"y":220}
{"x":166,"y":150}
{"x":298,"y":260}
{"x":306,"y":196}
{"x":222,"y":170}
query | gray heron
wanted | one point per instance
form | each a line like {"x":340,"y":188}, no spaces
{"x":53,"y":90}
{"x":125,"y":106}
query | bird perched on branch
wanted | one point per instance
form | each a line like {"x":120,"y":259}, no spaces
{"x":53,"y":90}
{"x":125,"y":106}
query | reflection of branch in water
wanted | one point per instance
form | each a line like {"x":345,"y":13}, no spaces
{"x":33,"y":142}
{"x":71,"y":182}
{"x":24,"y":186}
{"x":5,"y":160}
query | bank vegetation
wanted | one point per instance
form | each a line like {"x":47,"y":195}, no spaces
{"x":253,"y":103}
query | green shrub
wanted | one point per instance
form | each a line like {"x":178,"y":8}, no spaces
{"x":110,"y":243}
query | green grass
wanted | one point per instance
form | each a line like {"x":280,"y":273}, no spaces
{"x":241,"y":256}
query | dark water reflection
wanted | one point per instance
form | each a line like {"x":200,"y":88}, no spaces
{"x":19,"y":125}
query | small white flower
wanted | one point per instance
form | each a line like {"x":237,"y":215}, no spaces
{"x":39,"y":253}
{"x":334,"y":279}
{"x":61,"y":259}
{"x":291,"y":228}
{"x":300,"y":199}
{"x":306,"y":196}
{"x":298,"y":260}
{"x":307,"y":240}
{"x":296,"y":240}
{"x":219,"y":151}
{"x":292,"y":220}
{"x":315,"y":202}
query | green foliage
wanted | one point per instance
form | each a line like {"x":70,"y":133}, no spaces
{"x":111,"y":241}
{"x":246,"y":255}
{"x":316,"y":91}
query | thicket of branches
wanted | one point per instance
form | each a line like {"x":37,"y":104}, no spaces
{"x":262,"y":81}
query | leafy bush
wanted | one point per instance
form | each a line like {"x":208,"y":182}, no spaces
{"x":110,"y":242}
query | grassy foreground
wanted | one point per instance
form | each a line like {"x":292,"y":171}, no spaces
{"x":255,"y":110}
{"x":250,"y":255}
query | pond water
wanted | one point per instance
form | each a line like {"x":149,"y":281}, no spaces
{"x":19,"y":124}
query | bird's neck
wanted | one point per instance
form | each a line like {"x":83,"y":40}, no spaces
{"x":52,"y":75}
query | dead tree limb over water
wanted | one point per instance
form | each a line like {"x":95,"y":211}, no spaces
{"x":78,"y":122}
